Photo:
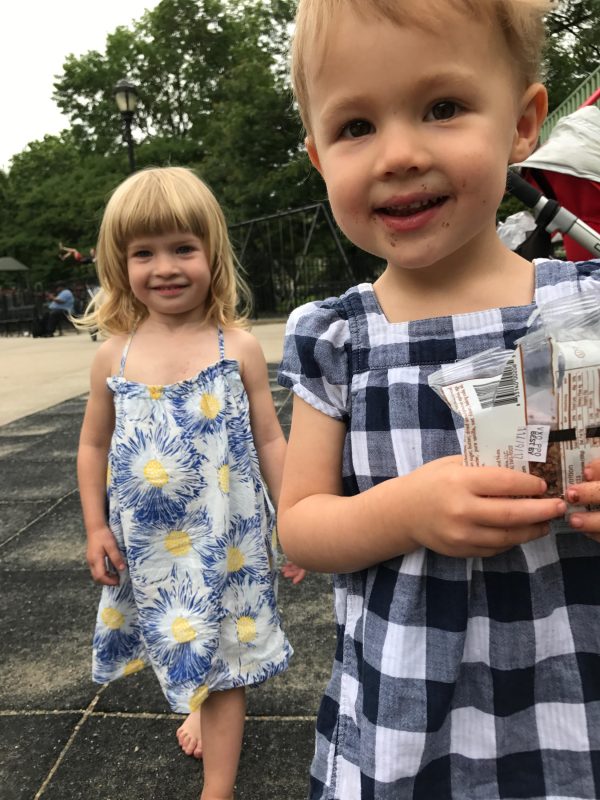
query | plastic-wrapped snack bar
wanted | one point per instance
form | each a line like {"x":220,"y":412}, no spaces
{"x":535,"y":408}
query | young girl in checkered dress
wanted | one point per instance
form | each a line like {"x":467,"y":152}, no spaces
{"x":467,"y":603}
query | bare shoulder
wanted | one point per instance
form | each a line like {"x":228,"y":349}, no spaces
{"x":108,"y":355}
{"x":242,"y":345}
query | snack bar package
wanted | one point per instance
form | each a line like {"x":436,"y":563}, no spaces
{"x":535,"y":408}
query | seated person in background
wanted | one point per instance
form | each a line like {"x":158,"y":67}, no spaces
{"x":60,"y":305}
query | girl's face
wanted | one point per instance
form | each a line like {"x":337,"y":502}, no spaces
{"x":169,"y":274}
{"x":412,"y":131}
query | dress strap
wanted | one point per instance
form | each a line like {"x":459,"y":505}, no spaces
{"x":124,"y":355}
{"x":221,"y":343}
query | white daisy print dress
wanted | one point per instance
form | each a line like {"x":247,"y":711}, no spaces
{"x":190,"y":512}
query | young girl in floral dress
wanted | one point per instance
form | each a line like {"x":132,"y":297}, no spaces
{"x":180,"y":417}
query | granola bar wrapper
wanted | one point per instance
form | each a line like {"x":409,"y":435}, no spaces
{"x":536,"y":408}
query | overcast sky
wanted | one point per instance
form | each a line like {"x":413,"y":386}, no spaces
{"x":35,"y":38}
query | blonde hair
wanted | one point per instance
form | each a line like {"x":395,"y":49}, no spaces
{"x":153,"y":202}
{"x":521,"y":23}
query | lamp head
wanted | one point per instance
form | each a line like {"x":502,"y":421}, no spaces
{"x":126,"y":96}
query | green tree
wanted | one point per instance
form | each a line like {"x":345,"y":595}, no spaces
{"x":54,"y":194}
{"x":179,"y":54}
{"x":573,"y":50}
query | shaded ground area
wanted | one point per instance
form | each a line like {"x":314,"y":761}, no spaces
{"x":63,"y":737}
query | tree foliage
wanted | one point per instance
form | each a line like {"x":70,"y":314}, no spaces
{"x":573,"y":50}
{"x":214,"y":95}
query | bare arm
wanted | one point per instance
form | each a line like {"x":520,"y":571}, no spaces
{"x":266,"y":430}
{"x":92,"y":458}
{"x":452,"y":509}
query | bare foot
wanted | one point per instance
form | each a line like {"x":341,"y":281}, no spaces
{"x":188,"y":735}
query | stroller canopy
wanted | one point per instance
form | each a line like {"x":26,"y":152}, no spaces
{"x":573,"y":147}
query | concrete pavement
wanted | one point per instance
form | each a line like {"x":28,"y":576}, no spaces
{"x":61,"y":736}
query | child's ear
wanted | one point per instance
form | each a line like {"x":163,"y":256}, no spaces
{"x":533,"y":110}
{"x":311,"y":149}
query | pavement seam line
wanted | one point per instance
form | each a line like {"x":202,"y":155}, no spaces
{"x":37,"y":519}
{"x":166,"y":716}
{"x":86,"y":714}
{"x":40,"y":712}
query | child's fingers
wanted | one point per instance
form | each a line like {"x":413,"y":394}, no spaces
{"x":587,"y":522}
{"x":496,"y":540}
{"x":101,"y":558}
{"x":108,"y":579}
{"x":293,"y":572}
{"x":592,"y":470}
{"x":299,"y":576}
{"x":484,"y":541}
{"x":114,"y":554}
{"x":501,"y":482}
{"x":506,"y":512}
{"x":585,"y":493}
{"x":98,"y":571}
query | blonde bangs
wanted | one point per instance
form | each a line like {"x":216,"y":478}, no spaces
{"x":521,"y":23}
{"x":154,"y":204}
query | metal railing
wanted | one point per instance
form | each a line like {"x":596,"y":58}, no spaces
{"x":577,"y":98}
{"x":293,"y":256}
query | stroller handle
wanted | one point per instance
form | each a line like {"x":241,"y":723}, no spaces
{"x":521,"y":189}
{"x":552,"y":216}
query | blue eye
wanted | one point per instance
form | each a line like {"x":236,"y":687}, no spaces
{"x":356,"y":129}
{"x":185,"y":248}
{"x":446,"y":109}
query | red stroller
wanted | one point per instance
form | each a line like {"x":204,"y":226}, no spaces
{"x":564,"y":173}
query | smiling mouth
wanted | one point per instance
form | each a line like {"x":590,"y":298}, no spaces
{"x":410,"y":209}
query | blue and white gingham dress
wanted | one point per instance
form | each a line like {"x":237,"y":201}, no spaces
{"x":190,"y":513}
{"x":453,"y":678}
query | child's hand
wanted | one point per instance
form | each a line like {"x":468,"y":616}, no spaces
{"x":587,"y":493}
{"x":472,"y":511}
{"x":101,"y":544}
{"x":293,"y":572}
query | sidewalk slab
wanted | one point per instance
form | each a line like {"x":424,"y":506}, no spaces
{"x":138,"y":759}
{"x":17,"y":514}
{"x":29,"y":746}
{"x":46,"y":627}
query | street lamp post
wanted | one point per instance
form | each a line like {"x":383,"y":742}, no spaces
{"x":126,"y":97}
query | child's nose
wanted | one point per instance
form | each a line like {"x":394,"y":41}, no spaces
{"x":402,"y":148}
{"x":165,"y":264}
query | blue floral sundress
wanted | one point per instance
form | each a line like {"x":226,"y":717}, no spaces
{"x":191,"y":515}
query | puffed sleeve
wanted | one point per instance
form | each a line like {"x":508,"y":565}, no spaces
{"x":316,"y":357}
{"x":588,"y":273}
{"x":556,"y":278}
